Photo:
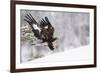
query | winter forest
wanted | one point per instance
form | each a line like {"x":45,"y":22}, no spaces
{"x":71,"y":30}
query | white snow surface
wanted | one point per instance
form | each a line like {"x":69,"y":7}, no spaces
{"x":78,"y":56}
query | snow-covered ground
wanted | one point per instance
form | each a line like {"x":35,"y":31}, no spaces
{"x":78,"y":56}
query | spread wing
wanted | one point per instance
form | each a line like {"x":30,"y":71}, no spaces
{"x":50,"y":27}
{"x":49,"y":31}
{"x":31,"y":21}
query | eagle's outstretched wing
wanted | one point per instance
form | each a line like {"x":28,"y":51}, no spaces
{"x":32,"y":22}
{"x":46,"y":25}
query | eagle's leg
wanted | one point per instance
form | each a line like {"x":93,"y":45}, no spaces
{"x":50,"y":45}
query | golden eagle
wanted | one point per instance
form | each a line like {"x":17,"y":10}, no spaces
{"x":43,"y":30}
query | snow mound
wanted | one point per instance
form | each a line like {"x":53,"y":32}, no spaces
{"x":81,"y":53}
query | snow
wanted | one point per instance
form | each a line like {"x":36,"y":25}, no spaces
{"x":76,"y":56}
{"x":81,"y":53}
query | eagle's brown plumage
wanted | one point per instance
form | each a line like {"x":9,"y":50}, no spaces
{"x":47,"y":30}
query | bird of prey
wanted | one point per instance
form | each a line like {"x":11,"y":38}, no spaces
{"x":43,"y":30}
